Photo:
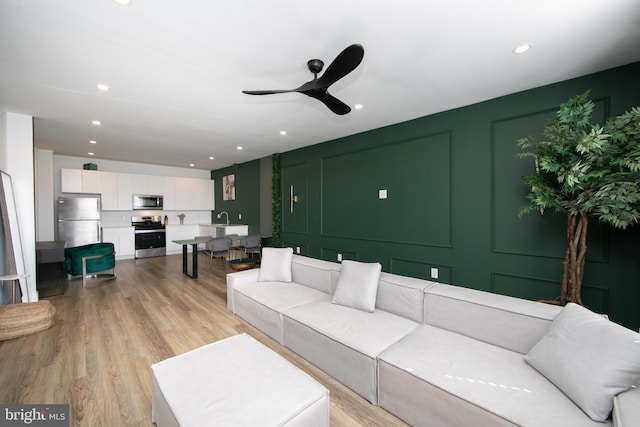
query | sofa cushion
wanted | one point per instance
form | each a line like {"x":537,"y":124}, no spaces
{"x":402,"y":295}
{"x":275,"y":265}
{"x":589,"y":358}
{"x":314,"y":273}
{"x":262,"y":303}
{"x":358,"y":285}
{"x":443,"y":374}
{"x":511,"y":323}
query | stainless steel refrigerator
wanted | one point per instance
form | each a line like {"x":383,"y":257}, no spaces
{"x":79,"y":220}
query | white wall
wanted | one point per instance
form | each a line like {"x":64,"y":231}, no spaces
{"x":45,"y":218}
{"x":16,"y":147}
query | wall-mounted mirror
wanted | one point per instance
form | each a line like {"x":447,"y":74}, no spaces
{"x":11,"y":255}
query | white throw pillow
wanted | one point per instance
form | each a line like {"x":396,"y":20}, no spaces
{"x":275,"y":265}
{"x":589,"y":358}
{"x":357,"y":285}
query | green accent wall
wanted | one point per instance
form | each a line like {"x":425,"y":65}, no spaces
{"x":247,"y":202}
{"x":453,"y":189}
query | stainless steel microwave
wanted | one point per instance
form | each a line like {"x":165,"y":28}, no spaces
{"x":147,"y":202}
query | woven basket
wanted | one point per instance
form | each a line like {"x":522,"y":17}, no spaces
{"x":17,"y":320}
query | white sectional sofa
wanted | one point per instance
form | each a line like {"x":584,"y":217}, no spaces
{"x":440,"y":355}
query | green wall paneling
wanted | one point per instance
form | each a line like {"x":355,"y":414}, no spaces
{"x":419,"y":269}
{"x":453,"y":182}
{"x":295,"y":246}
{"x":509,"y":194}
{"x":415,"y":174}
{"x":331,"y":254}
{"x":295,"y":215}
{"x":247,"y":202}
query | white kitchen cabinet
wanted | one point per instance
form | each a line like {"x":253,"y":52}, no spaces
{"x":80,"y":181}
{"x":91,"y":181}
{"x":207,"y":230}
{"x":123,"y":240}
{"x":109,"y":191}
{"x":147,"y":184}
{"x":155,"y":185}
{"x":180,"y":193}
{"x":169,"y":193}
{"x":116,"y":191}
{"x":124,"y":192}
{"x":194,"y":194}
{"x":206,"y":195}
{"x":186,"y":193}
{"x":71,"y":180}
{"x":180,"y":232}
{"x":139,"y":184}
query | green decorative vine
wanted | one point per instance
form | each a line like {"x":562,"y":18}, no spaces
{"x":276,"y":200}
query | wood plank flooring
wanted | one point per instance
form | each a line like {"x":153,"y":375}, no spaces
{"x":97,"y":356}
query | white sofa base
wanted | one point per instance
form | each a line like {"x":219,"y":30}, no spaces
{"x":236,"y":382}
{"x":454,"y":378}
{"x":343,"y":342}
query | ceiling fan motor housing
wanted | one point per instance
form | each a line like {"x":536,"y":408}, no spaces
{"x":315,"y":65}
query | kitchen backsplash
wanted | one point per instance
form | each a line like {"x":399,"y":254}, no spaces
{"x":120,"y":218}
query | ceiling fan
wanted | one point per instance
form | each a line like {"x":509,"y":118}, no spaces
{"x":346,"y":61}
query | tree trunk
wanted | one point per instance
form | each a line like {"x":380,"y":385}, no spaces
{"x":574,"y":259}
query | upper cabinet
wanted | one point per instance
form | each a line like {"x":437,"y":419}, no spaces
{"x":147,"y":184}
{"x":188,"y":194}
{"x":197,"y":193}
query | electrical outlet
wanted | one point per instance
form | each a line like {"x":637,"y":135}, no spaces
{"x":434,"y":273}
{"x":382,"y":194}
{"x":239,"y":216}
{"x":297,"y":249}
{"x":339,"y":257}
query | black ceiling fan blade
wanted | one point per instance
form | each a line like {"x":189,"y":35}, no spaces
{"x":334,"y":104}
{"x":346,"y":61}
{"x":266,"y":92}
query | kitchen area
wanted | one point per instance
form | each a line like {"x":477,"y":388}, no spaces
{"x":141,"y":214}
{"x":142,"y":208}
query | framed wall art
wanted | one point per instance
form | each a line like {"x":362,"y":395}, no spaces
{"x":229,"y":187}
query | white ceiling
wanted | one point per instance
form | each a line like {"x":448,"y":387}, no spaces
{"x":177,"y":68}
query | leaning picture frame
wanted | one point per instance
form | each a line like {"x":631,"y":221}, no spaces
{"x":12,"y":248}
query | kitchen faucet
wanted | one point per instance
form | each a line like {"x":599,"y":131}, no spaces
{"x":220,"y":214}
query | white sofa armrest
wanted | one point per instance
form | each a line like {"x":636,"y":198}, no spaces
{"x":233,"y":279}
{"x":626,"y":408}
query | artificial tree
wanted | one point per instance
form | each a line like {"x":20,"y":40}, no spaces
{"x":584,"y":170}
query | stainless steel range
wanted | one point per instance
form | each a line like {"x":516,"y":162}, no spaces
{"x":150,"y":236}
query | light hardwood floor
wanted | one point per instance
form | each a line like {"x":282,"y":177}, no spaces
{"x":97,"y":356}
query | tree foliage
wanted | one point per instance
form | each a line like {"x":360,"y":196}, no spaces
{"x":584,"y":170}
{"x":276,"y":200}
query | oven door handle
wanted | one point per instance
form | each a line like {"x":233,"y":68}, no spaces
{"x":149,"y":231}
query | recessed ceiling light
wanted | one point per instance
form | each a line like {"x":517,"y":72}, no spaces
{"x":358,"y":106}
{"x":90,"y":153}
{"x":191,"y":164}
{"x":93,"y":141}
{"x":522,"y":48}
{"x":211,"y":157}
{"x":122,"y":2}
{"x":283,"y":132}
{"x":96,"y":122}
{"x":103,"y":87}
{"x":239,"y":147}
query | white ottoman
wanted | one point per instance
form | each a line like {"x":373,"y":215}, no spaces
{"x":235,"y":382}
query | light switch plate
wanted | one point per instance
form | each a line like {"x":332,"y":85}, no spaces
{"x":382,"y":194}
{"x":434,"y":273}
